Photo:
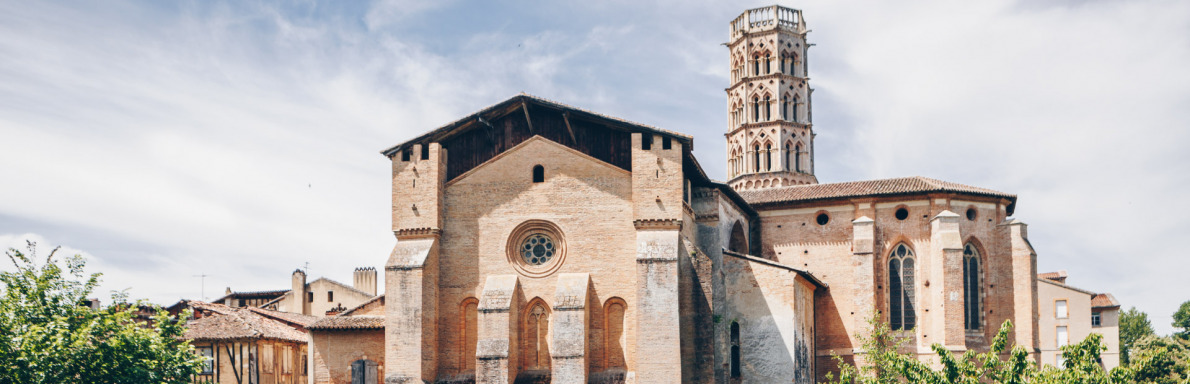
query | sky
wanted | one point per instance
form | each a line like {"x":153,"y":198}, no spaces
{"x":241,"y":139}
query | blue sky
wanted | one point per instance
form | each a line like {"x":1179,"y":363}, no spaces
{"x":240,"y":139}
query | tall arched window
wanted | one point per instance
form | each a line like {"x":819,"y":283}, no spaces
{"x":971,"y":286}
{"x":797,"y":158}
{"x":768,"y":157}
{"x":785,"y":101}
{"x":615,"y":334}
{"x":787,"y":164}
{"x":793,"y":65}
{"x":793,"y":108}
{"x":755,"y":65}
{"x":768,"y":59}
{"x":535,"y":350}
{"x":768,"y":115}
{"x":755,"y":108}
{"x":901,"y":313}
{"x":755,"y":158}
{"x":738,"y":242}
{"x":469,"y":335}
{"x":735,"y":349}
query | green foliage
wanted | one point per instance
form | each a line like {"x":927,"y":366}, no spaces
{"x":48,"y":336}
{"x":1160,"y":360}
{"x":999,"y":365}
{"x":1181,"y":319}
{"x":1134,"y":325}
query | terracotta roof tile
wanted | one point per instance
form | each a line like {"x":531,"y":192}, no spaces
{"x":289,"y":317}
{"x":348,"y":312}
{"x":348,"y":322}
{"x":1104,"y":300}
{"x":1059,"y":276}
{"x":227,"y":323}
{"x":884,"y":187}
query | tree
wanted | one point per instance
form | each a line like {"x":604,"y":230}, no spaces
{"x":1181,"y":319}
{"x":1160,"y":360}
{"x":48,"y":336}
{"x":1134,"y":325}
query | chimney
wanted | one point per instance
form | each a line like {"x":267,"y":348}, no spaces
{"x":365,"y":280}
{"x":298,"y":292}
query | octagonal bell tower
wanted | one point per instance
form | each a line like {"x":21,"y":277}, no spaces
{"x":770,"y":138}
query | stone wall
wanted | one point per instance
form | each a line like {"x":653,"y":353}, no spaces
{"x":334,"y":351}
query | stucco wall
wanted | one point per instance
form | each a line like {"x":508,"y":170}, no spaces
{"x":334,"y":351}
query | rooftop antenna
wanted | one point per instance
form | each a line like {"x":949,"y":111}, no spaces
{"x":306,"y":269}
{"x":204,"y":277}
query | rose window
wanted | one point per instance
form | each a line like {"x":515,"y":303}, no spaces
{"x":537,"y":249}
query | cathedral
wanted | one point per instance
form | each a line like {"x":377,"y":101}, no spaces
{"x":539,"y":242}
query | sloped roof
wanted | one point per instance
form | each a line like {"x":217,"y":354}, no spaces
{"x":361,"y":305}
{"x":1104,"y":300}
{"x":348,"y":323}
{"x":227,"y":323}
{"x":511,"y":104}
{"x":1059,"y":276}
{"x":883,"y":187}
{"x":288,"y":317}
{"x":253,"y":295}
{"x":759,"y":260}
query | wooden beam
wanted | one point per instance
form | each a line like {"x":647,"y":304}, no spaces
{"x":566,"y":118}
{"x":490,"y":131}
{"x":525,"y":107}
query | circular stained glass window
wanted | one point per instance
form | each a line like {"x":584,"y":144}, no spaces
{"x":537,"y":249}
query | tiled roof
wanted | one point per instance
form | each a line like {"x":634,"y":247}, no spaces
{"x":253,"y":295}
{"x":227,"y":323}
{"x":1104,"y":300}
{"x":289,"y":317}
{"x":348,"y":322}
{"x":885,"y":187}
{"x":1059,"y":276}
{"x":355,"y":308}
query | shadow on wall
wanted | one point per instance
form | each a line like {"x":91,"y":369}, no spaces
{"x":765,"y":349}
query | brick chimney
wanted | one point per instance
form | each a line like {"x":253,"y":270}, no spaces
{"x":365,"y":280}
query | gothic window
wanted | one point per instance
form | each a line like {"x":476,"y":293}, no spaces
{"x":785,"y":101}
{"x":971,"y":286}
{"x":755,"y":108}
{"x":793,"y":66}
{"x":901,"y":312}
{"x":735,"y":349}
{"x":768,"y":157}
{"x":755,"y":65}
{"x":787,"y":164}
{"x":615,"y":334}
{"x":538,"y":174}
{"x":768,"y":109}
{"x":469,"y":336}
{"x":797,"y":158}
{"x":756,"y":158}
{"x":768,"y":59}
{"x":536,"y":352}
{"x":793,"y":109}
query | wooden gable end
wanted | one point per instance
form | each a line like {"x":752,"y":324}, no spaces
{"x":485,"y":139}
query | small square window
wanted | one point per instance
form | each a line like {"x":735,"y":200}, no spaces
{"x":665,"y":143}
{"x":330,"y":296}
{"x":405,"y":154}
{"x":646,"y":141}
{"x":1096,"y":320}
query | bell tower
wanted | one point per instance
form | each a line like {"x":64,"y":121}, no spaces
{"x":770,"y":138}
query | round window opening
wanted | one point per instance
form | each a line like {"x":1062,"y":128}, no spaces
{"x":538,"y":249}
{"x":971,"y":214}
{"x":902,"y":214}
{"x":822,"y":219}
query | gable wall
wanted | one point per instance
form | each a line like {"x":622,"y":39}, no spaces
{"x":588,"y":200}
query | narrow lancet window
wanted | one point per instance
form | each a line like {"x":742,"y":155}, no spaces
{"x":901,"y":312}
{"x":971,"y":286}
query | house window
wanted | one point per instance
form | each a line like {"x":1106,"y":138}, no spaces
{"x":425,"y":151}
{"x":1060,"y":360}
{"x":208,"y":360}
{"x":665,"y":143}
{"x":330,"y":296}
{"x":902,"y":315}
{"x":241,"y":302}
{"x":538,"y":174}
{"x":286,"y":359}
{"x":1060,"y":310}
{"x":735,"y":349}
{"x":266,"y":358}
{"x":1063,"y":336}
{"x":646,"y":142}
{"x":405,"y":154}
{"x":1096,"y":319}
{"x":310,"y":297}
{"x":971,"y":286}
{"x":305,"y":367}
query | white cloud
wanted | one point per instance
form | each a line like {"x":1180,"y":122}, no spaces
{"x":241,"y":140}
